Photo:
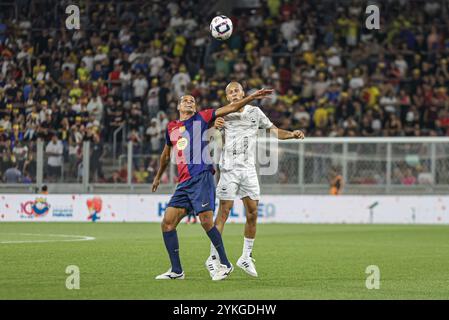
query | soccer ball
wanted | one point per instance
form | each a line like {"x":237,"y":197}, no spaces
{"x":221,"y":27}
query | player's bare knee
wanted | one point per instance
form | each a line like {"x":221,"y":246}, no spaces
{"x":206,"y":222}
{"x":223,"y":215}
{"x":251,"y":217}
{"x":221,"y":220}
{"x":167,"y":226}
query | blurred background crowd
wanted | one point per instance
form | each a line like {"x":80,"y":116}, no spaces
{"x":124,"y":70}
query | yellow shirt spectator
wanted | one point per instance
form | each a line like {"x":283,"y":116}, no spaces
{"x":83,"y":74}
{"x":353,"y":28}
{"x":255,"y":82}
{"x":76,"y":93}
{"x":104,"y":49}
{"x":309,"y":57}
{"x":374,"y":94}
{"x":157,"y":43}
{"x":330,"y":108}
{"x":274,"y":6}
{"x":141,"y":176}
{"x":37,"y":69}
{"x":250,"y":46}
{"x":289,"y":99}
{"x":342,"y":26}
{"x":320,"y":117}
{"x":73,"y":57}
{"x":180,"y":43}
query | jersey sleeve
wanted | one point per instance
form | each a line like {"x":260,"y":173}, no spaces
{"x":264,"y":122}
{"x":167,"y":138}
{"x":208,"y":115}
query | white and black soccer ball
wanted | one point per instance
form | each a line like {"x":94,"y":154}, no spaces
{"x":221,"y":27}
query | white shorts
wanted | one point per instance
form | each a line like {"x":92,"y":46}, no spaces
{"x":241,"y":183}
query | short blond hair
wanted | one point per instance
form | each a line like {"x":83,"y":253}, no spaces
{"x":232,"y":83}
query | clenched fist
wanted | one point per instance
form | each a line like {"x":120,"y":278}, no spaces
{"x":298,"y":134}
{"x":219,"y":123}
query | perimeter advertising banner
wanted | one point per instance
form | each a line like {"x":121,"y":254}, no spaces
{"x":284,"y":209}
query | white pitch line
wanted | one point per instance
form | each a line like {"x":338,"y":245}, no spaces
{"x":80,"y":238}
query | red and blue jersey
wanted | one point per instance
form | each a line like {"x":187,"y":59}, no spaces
{"x":190,"y":144}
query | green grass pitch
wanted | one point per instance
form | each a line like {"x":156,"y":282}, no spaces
{"x":294,"y":261}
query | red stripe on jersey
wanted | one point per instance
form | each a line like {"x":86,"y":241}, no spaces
{"x":208,"y":115}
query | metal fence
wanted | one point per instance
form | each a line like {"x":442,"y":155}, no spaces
{"x":367,"y":165}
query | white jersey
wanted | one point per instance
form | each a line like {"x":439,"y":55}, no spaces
{"x":240,"y":138}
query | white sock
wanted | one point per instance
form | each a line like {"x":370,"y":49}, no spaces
{"x":247,"y":247}
{"x":213,"y":251}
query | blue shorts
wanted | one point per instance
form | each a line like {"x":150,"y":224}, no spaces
{"x":196,"y":194}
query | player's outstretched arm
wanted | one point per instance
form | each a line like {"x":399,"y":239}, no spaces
{"x":163,"y":163}
{"x":284,"y":134}
{"x":235,"y":106}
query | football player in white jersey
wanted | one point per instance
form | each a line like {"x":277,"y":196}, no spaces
{"x":238,"y":176}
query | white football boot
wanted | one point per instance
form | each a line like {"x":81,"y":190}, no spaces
{"x":247,"y":265}
{"x":212,"y":264}
{"x":169,"y":275}
{"x":223,"y":272}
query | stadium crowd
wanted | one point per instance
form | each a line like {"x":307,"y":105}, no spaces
{"x":130,"y":62}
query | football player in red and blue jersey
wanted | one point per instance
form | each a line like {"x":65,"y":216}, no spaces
{"x":196,"y":189}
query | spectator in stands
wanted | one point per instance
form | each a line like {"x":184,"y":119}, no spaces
{"x":153,"y":136}
{"x":29,"y":167}
{"x":115,"y":178}
{"x":54,"y":151}
{"x":13,"y":174}
{"x":122,"y":174}
{"x":141,"y":175}
{"x":408,"y":178}
{"x":44,"y":189}
{"x":74,"y":153}
{"x":20,"y":152}
{"x":95,"y":165}
{"x":180,"y":82}
{"x":140,"y":86}
{"x":153,"y":100}
{"x":336,"y":182}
